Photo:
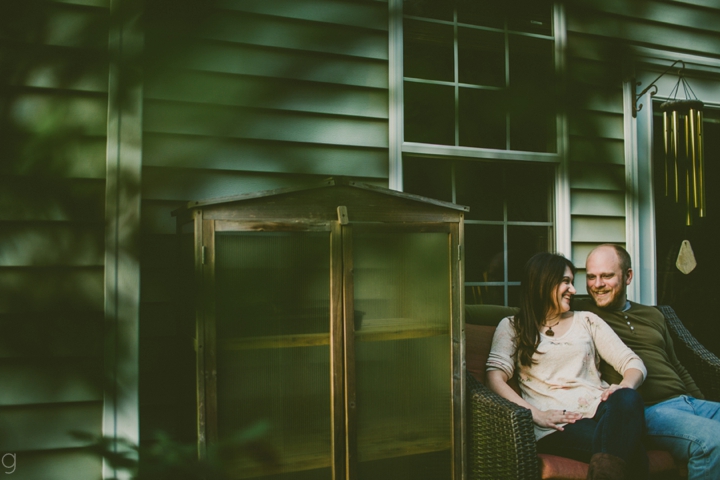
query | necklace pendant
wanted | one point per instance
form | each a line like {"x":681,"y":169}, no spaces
{"x":549,"y":332}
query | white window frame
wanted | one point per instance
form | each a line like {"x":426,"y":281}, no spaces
{"x":397,"y":145}
{"x":639,"y":199}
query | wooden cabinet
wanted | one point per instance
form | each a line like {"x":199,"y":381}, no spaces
{"x":332,"y":314}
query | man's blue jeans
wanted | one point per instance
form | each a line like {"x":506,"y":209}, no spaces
{"x":689,"y":429}
{"x":616,"y":428}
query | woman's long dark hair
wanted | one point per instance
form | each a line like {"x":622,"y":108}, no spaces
{"x":541,"y":276}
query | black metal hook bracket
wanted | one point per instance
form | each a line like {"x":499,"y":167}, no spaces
{"x":635,"y":106}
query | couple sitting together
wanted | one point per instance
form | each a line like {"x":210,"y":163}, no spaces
{"x":644,"y":394}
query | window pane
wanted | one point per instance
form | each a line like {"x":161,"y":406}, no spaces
{"x":532,"y":91}
{"x":270,"y":287}
{"x":429,"y":113}
{"x":523,"y":243}
{"x":484,"y":13}
{"x":440,"y":10}
{"x":514,"y":296}
{"x":479,"y":185}
{"x":534,"y":16}
{"x":402,"y":353}
{"x":428,"y":50}
{"x":481,"y":57}
{"x":484,"y":259}
{"x":529,"y":193}
{"x":484,"y":295}
{"x":482,"y":118}
{"x":427,"y":177}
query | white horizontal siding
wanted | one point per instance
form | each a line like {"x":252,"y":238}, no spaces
{"x":224,"y":57}
{"x":597,"y":203}
{"x":47,"y":244}
{"x":269,"y":93}
{"x":310,"y":36}
{"x":357,"y":13}
{"x":46,"y":427}
{"x":207,"y":152}
{"x":52,"y":188}
{"x":42,"y":381}
{"x":598,"y":229}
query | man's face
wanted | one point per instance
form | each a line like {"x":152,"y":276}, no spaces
{"x":606,"y":282}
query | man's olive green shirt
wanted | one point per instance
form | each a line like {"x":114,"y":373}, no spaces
{"x":650,"y":339}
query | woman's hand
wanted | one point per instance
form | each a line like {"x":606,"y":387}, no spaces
{"x":553,"y":418}
{"x":610,"y":390}
{"x":633,"y":378}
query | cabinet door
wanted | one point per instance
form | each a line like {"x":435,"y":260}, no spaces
{"x":400,"y":354}
{"x":272,"y":327}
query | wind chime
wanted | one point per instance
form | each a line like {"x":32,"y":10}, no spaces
{"x":683,"y":145}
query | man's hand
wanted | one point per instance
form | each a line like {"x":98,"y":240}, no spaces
{"x":553,"y":418}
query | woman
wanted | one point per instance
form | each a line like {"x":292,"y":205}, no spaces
{"x":556,"y":353}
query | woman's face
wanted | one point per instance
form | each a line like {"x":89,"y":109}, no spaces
{"x":565,"y":291}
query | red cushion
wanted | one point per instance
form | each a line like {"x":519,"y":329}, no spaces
{"x":478,"y":339}
{"x":553,"y":467}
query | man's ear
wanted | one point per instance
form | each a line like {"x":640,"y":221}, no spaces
{"x":629,"y":276}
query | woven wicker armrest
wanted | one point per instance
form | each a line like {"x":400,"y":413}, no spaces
{"x":501,"y":439}
{"x":703,"y":365}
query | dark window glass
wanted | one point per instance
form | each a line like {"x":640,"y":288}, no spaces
{"x":514,"y":296}
{"x":485,"y":295}
{"x":523,"y":243}
{"x":479,"y":185}
{"x":428,"y":50}
{"x":484,"y":257}
{"x":532,"y":94}
{"x":533,"y":16}
{"x":529,"y":193}
{"x":482,"y":118}
{"x":427,"y":177}
{"x":440,"y":10}
{"x":429,"y":113}
{"x":481,"y":57}
{"x":484,"y":13}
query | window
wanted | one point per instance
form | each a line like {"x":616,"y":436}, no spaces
{"x":510,"y":218}
{"x":479,"y":74}
{"x":480,"y":127}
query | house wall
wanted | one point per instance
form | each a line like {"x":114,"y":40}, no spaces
{"x":248,"y":95}
{"x":53,"y":110}
{"x":602,"y":38}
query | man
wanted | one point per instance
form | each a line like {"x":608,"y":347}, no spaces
{"x":677,"y":418}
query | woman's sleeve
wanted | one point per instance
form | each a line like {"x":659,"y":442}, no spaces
{"x":611,"y":348}
{"x":503,"y":349}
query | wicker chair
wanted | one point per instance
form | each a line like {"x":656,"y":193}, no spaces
{"x":501,"y":442}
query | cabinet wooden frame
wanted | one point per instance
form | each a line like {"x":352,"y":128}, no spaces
{"x":408,"y":214}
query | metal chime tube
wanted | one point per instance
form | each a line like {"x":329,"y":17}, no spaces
{"x":691,"y":139}
{"x":691,"y":162}
{"x":701,"y":163}
{"x":666,"y":146}
{"x":688,"y":211}
{"x":674,"y":141}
